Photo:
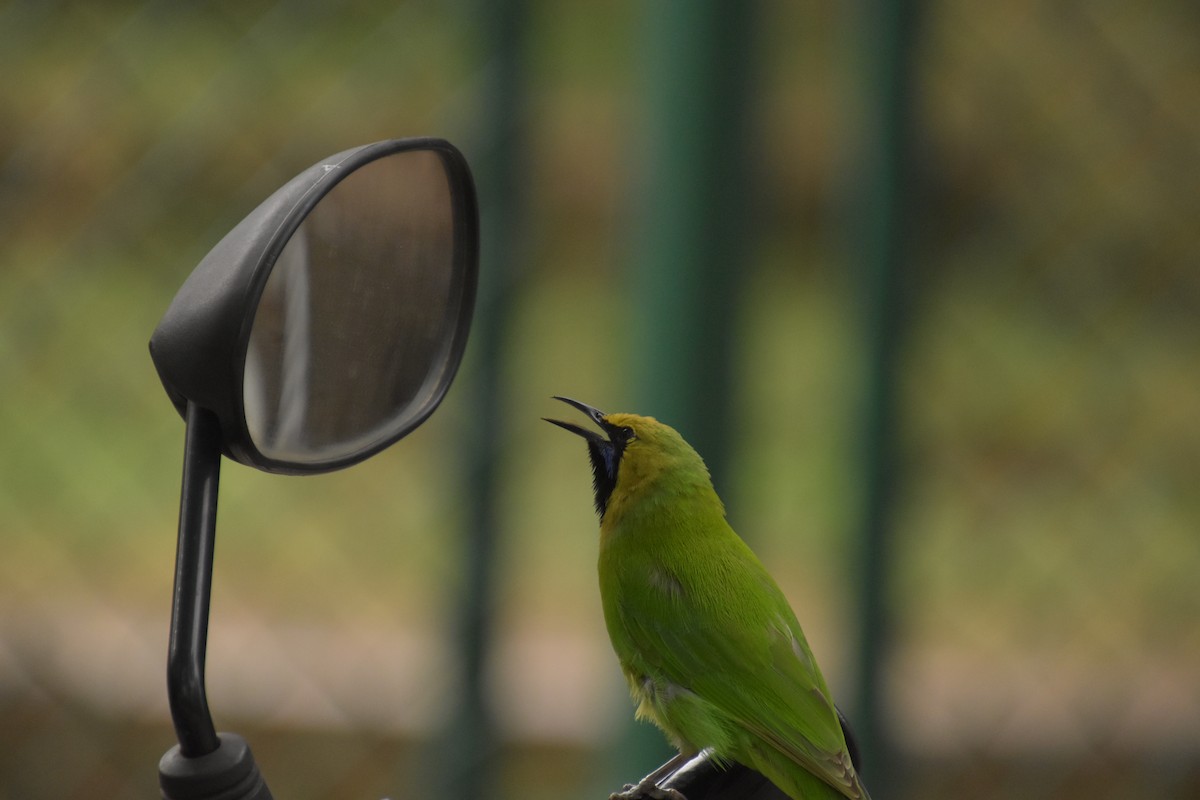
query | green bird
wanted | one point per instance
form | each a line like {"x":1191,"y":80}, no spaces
{"x":710,"y":647}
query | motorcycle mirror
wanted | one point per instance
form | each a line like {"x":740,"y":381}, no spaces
{"x":324,"y":327}
{"x":330,"y":322}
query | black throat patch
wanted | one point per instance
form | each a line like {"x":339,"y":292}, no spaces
{"x":606,"y":460}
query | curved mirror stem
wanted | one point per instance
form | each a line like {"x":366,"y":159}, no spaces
{"x":193,"y":585}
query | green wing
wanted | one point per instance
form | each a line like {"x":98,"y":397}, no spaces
{"x":725,"y":649}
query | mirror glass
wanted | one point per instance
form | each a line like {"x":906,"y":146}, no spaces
{"x":355,"y":330}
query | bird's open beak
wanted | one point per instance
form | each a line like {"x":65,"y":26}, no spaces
{"x":603,"y":451}
{"x":596,"y":415}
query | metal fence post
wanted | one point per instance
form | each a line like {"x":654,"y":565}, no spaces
{"x":689,"y":248}
{"x":469,"y":748}
{"x":881,"y":219}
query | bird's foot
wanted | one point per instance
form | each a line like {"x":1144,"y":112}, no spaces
{"x":646,"y":790}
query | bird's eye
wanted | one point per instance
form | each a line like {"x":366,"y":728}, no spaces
{"x":628,"y":434}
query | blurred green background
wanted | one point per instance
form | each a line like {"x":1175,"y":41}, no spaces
{"x":1042,"y":600}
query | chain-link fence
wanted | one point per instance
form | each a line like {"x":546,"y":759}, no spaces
{"x":1050,"y":518}
{"x":1046,"y":637}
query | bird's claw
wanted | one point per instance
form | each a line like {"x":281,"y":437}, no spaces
{"x":646,"y":790}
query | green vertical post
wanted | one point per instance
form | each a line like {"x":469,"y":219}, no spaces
{"x":469,"y":749}
{"x":693,"y":203}
{"x":689,"y":249}
{"x":882,"y":221}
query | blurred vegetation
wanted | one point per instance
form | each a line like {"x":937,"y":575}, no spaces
{"x":1046,"y":593}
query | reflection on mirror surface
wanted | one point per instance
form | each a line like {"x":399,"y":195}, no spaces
{"x":354,"y":331}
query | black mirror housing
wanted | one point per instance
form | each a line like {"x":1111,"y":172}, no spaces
{"x":200,"y":346}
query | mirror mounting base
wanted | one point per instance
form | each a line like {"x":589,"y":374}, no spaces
{"x":229,"y":772}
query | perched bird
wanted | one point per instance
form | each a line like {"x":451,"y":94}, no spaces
{"x":710,"y":647}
